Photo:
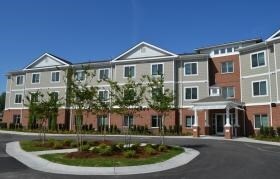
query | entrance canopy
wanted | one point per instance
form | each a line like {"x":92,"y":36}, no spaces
{"x":216,"y":102}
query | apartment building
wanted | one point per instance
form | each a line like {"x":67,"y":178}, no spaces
{"x":229,"y":89}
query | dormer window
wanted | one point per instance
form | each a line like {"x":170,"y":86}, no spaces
{"x":215,"y":91}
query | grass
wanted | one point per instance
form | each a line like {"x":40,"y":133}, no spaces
{"x":267,"y":138}
{"x":111,"y":161}
{"x":33,"y":145}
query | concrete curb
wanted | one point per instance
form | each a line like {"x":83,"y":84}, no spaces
{"x":37,"y":163}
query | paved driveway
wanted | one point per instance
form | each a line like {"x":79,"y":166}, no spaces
{"x":217,"y":159}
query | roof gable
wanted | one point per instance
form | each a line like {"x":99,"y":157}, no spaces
{"x":143,"y":50}
{"x":46,"y":61}
{"x":274,"y":36}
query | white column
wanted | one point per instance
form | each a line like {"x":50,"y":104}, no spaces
{"x":227,"y":118}
{"x":206,"y":119}
{"x":236,"y":118}
{"x":195,"y":118}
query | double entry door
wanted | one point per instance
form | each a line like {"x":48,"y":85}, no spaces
{"x":219,"y":122}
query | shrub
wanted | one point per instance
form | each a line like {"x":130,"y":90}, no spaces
{"x":105,"y":151}
{"x":271,"y":132}
{"x":135,"y":146}
{"x":67,"y":142}
{"x":73,"y":144}
{"x":51,"y":142}
{"x":150,"y":151}
{"x":93,"y":143}
{"x":162,"y":148}
{"x":85,"y":147}
{"x":116,"y":148}
{"x":129,"y":154}
{"x":3,"y":125}
{"x":278,"y":131}
{"x":57,"y":145}
{"x":265,"y":131}
{"x":120,"y":146}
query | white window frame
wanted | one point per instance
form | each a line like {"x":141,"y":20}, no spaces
{"x":129,"y":66}
{"x":22,"y":80}
{"x":17,"y":115}
{"x":227,"y":67}
{"x":261,"y":114}
{"x":185,"y":93}
{"x":258,"y":81}
{"x":58,"y":77}
{"x":191,"y":74}
{"x":32,"y":78}
{"x":157,"y":121}
{"x":157,"y":65}
{"x":103,"y":91}
{"x":16,"y":98}
{"x":31,"y":96}
{"x":57,"y":93}
{"x":129,"y":123}
{"x":227,"y":91}
{"x":79,"y":71}
{"x":192,"y":118}
{"x":99,"y":70}
{"x":251,"y":64}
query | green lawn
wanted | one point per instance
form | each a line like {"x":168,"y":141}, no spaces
{"x":111,"y":161}
{"x":271,"y":139}
{"x":33,"y":145}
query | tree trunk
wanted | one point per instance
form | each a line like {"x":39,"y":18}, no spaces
{"x":162,"y":131}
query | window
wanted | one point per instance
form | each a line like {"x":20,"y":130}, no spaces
{"x":156,"y":121}
{"x":129,"y":71}
{"x":190,"y":68}
{"x":223,"y":51}
{"x":34,"y":97}
{"x":227,"y":67}
{"x":18,"y":98}
{"x":19,"y":80}
{"x":35,"y":78}
{"x":215,"y":91}
{"x":103,"y":95}
{"x":257,"y":59}
{"x":54,"y":96}
{"x":228,"y":92}
{"x":103,"y":74}
{"x":216,"y":52}
{"x":229,"y":50}
{"x":189,"y":121}
{"x":157,"y":69}
{"x":191,"y":93}
{"x":128,"y":121}
{"x":261,"y":120}
{"x":16,"y":119}
{"x":259,"y":88}
{"x":55,"y":76}
{"x":80,"y":76}
{"x":102,"y":120}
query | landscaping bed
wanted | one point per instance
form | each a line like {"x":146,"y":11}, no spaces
{"x":115,"y":155}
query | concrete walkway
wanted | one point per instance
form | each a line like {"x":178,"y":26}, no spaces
{"x":32,"y":160}
{"x":236,"y":139}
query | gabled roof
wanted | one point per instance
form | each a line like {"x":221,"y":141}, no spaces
{"x":274,"y":36}
{"x":61,"y":61}
{"x":170,"y":54}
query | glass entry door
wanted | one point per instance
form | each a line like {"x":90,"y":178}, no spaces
{"x":219,"y":124}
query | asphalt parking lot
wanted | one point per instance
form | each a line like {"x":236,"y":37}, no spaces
{"x":217,"y":159}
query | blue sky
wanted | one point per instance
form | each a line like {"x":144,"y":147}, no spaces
{"x":103,"y":29}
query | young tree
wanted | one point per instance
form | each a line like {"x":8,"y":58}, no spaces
{"x":161,"y":100}
{"x":80,"y":96}
{"x":44,"y":108}
{"x":127,"y":100}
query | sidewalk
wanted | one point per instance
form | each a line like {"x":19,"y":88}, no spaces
{"x":237,"y":139}
{"x":32,"y":160}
